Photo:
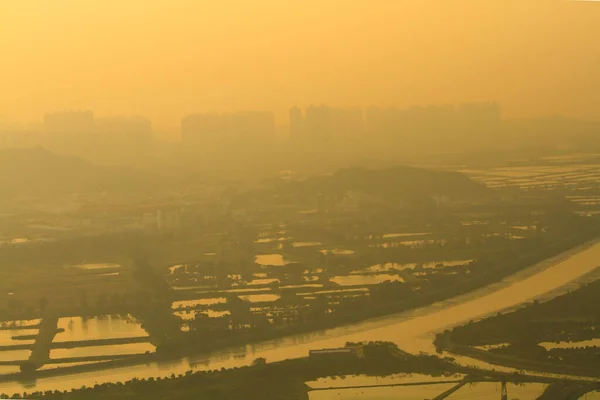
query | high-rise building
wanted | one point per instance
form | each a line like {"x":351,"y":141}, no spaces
{"x":322,"y":124}
{"x":204,"y":129}
{"x":69,"y":123}
{"x":318,"y":124}
{"x":296,"y":124}
{"x":228,"y":129}
{"x":252,"y":126}
{"x":347,"y":123}
{"x":442,"y":126}
{"x":125,"y":130}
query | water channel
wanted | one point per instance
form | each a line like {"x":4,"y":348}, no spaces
{"x":413,"y":330}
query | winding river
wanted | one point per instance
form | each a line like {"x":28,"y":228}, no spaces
{"x":413,"y":330}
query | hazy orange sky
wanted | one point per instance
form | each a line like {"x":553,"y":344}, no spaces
{"x":165,"y":58}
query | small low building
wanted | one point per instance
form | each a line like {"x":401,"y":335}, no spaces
{"x":356,"y":351}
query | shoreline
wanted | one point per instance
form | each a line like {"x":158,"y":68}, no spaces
{"x":372,"y":322}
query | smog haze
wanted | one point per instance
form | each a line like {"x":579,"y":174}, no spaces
{"x":164,"y":59}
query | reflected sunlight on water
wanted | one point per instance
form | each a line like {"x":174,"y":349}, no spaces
{"x":571,"y":345}
{"x":108,"y":350}
{"x":412,"y":330}
{"x":110,"y":327}
{"x":383,"y":393}
{"x":257,"y":298}
{"x":270,"y":259}
{"x":199,"y":302}
{"x":491,"y":391}
{"x":357,"y":280}
{"x":14,"y":355}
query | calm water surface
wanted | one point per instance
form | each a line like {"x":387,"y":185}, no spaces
{"x":364,"y":380}
{"x":491,"y":391}
{"x":413,"y":331}
{"x":8,"y":337}
{"x":108,"y":350}
{"x":270,"y":259}
{"x":189,"y":315}
{"x":357,"y":280}
{"x":78,"y":328}
{"x":198,"y":302}
{"x":571,"y":345}
{"x":14,"y":355}
{"x":383,"y":393}
{"x":91,"y":267}
{"x":257,"y":298}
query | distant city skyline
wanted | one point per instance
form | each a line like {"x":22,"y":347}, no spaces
{"x":165,"y":60}
{"x":313,"y":128}
{"x":281,"y":117}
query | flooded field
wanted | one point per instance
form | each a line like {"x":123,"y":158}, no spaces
{"x":12,"y":337}
{"x":24,"y":324}
{"x":399,"y":235}
{"x":257,"y":298}
{"x":191,"y":314}
{"x":110,"y":274}
{"x":389,"y":267}
{"x":14,"y":241}
{"x":337,"y":252}
{"x":364,"y":380}
{"x":412,"y":330}
{"x":385,"y":267}
{"x":407,"y":243}
{"x":358,"y":280}
{"x":110,"y":327}
{"x":99,"y":266}
{"x":20,"y":241}
{"x":9,"y":369}
{"x":330,"y":264}
{"x":307,"y":285}
{"x":595,"y":395}
{"x":306,"y":244}
{"x":271,"y":239}
{"x":64,"y":284}
{"x":54,"y":365}
{"x":571,"y":345}
{"x":492,"y":346}
{"x":108,"y":350}
{"x":263,"y":281}
{"x":443,"y":264}
{"x":336,"y":291}
{"x":191,"y":287}
{"x":418,"y":392}
{"x":241,"y":290}
{"x":271,"y":259}
{"x":14,"y":355}
{"x":544,"y":177}
{"x":199,"y":302}
{"x":491,"y":391}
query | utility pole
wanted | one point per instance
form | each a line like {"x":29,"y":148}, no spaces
{"x":504,"y":394}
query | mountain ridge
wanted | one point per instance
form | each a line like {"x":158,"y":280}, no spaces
{"x":40,"y":171}
{"x":399,"y":181}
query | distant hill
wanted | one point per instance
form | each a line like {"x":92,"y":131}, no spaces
{"x":37,"y":171}
{"x":399,"y":182}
